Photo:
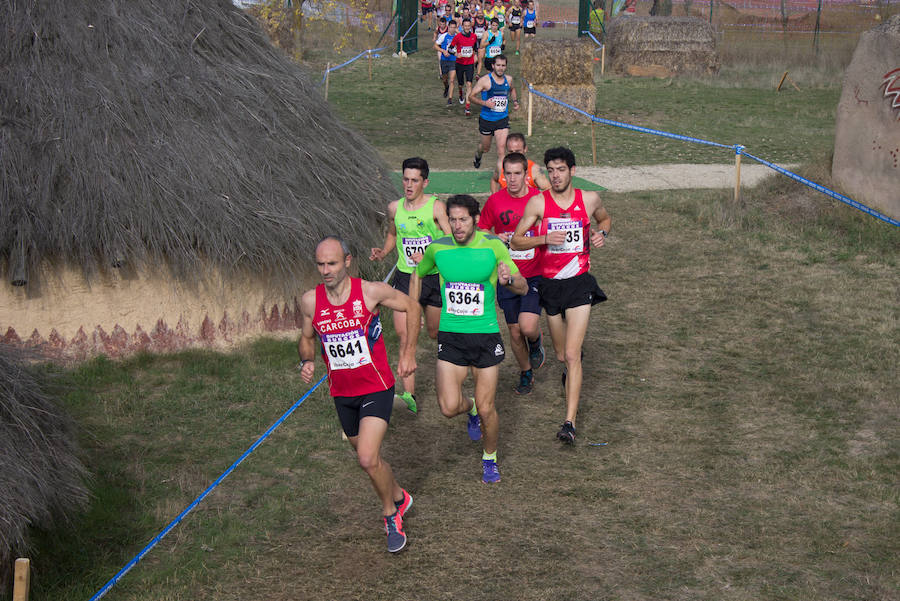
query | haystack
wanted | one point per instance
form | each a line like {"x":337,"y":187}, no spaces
{"x":563,"y":69}
{"x":866,"y":161}
{"x":41,"y":477}
{"x":661,"y":46}
{"x":166,"y":173}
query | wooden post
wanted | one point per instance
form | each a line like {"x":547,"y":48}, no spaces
{"x":593,"y":142}
{"x":327,"y":77}
{"x":780,"y":83}
{"x":370,"y":65}
{"x":737,"y":175}
{"x":602,"y":59}
{"x":22,"y":582}
{"x":530,"y":108}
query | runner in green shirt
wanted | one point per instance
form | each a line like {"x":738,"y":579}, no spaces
{"x":416,"y":220}
{"x":470,"y":264}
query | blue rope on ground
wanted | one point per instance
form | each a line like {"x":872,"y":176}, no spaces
{"x":836,"y":195}
{"x":738,"y":149}
{"x":202,"y":496}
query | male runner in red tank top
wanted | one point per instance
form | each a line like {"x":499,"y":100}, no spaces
{"x":343,"y":313}
{"x":563,"y":215}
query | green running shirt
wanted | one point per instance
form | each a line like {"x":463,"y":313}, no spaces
{"x":468,"y":277}
{"x":415,"y":231}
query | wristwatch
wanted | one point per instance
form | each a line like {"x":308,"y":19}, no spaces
{"x":605,"y":233}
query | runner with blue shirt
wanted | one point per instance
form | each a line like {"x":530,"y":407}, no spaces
{"x":493,"y":92}
{"x":447,"y":56}
{"x":491,"y":45}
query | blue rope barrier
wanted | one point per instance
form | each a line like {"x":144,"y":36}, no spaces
{"x":738,"y":149}
{"x":115,"y":579}
{"x":820,"y":188}
{"x":595,"y":39}
{"x":628,"y":126}
{"x":355,"y":58}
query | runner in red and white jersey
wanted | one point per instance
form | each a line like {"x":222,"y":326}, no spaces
{"x":563,"y":216}
{"x":501,"y":214}
{"x":343,"y":312}
{"x":466,"y":45}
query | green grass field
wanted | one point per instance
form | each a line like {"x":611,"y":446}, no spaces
{"x":743,"y":373}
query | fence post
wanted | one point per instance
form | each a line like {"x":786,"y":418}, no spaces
{"x":22,"y":582}
{"x":327,"y":77}
{"x":530,"y":105}
{"x":737,"y":172}
{"x":370,"y":65}
{"x":593,"y":142}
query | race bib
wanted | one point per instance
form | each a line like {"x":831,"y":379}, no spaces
{"x":346,"y":350}
{"x":529,"y":24}
{"x":515,"y":20}
{"x":493,"y":51}
{"x":412,"y":246}
{"x":464,"y":299}
{"x":521,"y":255}
{"x":465,"y":51}
{"x":574,"y":242}
{"x":479,"y":31}
{"x":500,"y":103}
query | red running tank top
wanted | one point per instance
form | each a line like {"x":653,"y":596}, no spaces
{"x":502,"y":213}
{"x":573,"y":256}
{"x":352,"y":345}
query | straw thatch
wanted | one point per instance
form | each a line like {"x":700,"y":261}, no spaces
{"x":583,"y":97}
{"x":41,"y":478}
{"x":565,"y":62}
{"x":169,"y":134}
{"x":677,"y":44}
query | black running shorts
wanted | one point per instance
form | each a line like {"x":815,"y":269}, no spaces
{"x":351,"y":409}
{"x":431,"y":288}
{"x":559,"y":295}
{"x":476,"y":350}
{"x":513,"y":304}
{"x":465,"y":73}
{"x":487,"y":128}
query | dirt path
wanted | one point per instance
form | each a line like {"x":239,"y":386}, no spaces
{"x":672,"y":177}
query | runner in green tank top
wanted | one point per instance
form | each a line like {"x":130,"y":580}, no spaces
{"x":470,"y":264}
{"x":416,"y":220}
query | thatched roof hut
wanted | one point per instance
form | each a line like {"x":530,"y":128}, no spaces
{"x":165,"y":153}
{"x":41,"y":477}
{"x":661,"y":46}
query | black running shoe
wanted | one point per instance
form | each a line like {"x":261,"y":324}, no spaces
{"x":536,"y":355}
{"x":446,"y":90}
{"x":477,"y":161}
{"x":526,"y":382}
{"x":566,"y":433}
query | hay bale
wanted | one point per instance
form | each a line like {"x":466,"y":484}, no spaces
{"x":676,"y":44}
{"x":581,"y":96}
{"x":564,"y":62}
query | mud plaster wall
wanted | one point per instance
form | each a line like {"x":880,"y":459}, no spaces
{"x":67,"y":318}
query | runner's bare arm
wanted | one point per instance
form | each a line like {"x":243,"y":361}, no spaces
{"x":390,"y":240}
{"x":481,"y":85}
{"x":534,"y":212}
{"x":379,"y":293}
{"x":540,"y":179}
{"x":513,"y":93}
{"x":495,"y":181}
{"x":440,"y":216}
{"x":595,"y":207}
{"x":306,"y":346}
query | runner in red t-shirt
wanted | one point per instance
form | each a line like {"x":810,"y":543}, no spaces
{"x":343,"y":312}
{"x":465,"y":45}
{"x":562,"y":215}
{"x":501,"y":214}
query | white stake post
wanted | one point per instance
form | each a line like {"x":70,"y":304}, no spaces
{"x":737,"y":175}
{"x":22,"y":582}
{"x":327,"y":77}
{"x":530,"y":108}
